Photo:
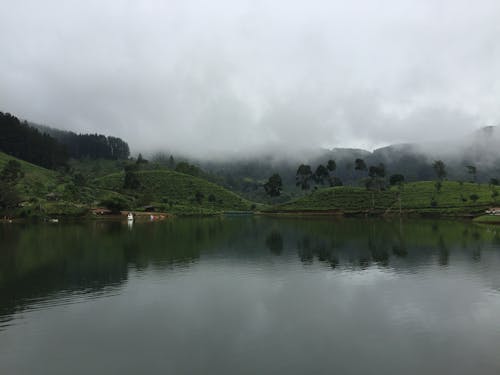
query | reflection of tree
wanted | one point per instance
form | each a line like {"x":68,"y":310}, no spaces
{"x":476,"y":251}
{"x":399,"y":250}
{"x":444,"y":253}
{"x":319,"y":249}
{"x":274,"y":242}
{"x":305,"y":253}
{"x":379,"y":253}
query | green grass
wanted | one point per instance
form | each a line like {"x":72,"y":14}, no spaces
{"x":452,"y":199}
{"x":177,"y":191}
{"x":37,"y":181}
{"x":46,"y":193}
{"x":489,"y":219}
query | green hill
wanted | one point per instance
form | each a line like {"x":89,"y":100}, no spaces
{"x":46,"y":193}
{"x":176,"y":192}
{"x":454,"y":198}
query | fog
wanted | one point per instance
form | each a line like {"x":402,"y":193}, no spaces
{"x":242,"y":77}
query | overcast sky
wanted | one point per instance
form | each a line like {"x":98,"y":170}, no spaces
{"x":210,"y":76}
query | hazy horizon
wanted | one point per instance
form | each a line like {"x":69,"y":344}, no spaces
{"x":218,"y":78}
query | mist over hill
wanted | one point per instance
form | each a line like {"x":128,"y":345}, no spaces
{"x":413,"y":160}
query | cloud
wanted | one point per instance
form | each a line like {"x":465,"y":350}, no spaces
{"x":215,"y":77}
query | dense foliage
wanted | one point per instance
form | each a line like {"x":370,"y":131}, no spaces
{"x":27,"y":143}
{"x":93,"y":146}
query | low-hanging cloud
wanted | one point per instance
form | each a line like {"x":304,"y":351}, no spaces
{"x":216,"y":77}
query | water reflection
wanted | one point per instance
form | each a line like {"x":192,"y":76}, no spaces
{"x":240,"y":283}
{"x":40,"y":260}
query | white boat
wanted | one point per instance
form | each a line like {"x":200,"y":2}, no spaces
{"x":130,"y":216}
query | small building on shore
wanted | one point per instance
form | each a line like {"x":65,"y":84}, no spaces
{"x":493,"y":211}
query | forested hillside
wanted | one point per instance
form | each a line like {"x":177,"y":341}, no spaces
{"x":25,"y":142}
{"x":93,"y":146}
{"x":51,"y":148}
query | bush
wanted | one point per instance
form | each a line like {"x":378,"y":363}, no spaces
{"x":115,"y":204}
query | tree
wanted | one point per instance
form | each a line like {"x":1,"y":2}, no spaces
{"x":321,"y":174}
{"x":494,"y":194}
{"x":79,"y":179}
{"x":472,"y":170}
{"x":199,"y":197}
{"x":440,"y":169}
{"x":359,"y":165}
{"x":141,"y":160}
{"x":376,"y":175}
{"x":274,"y":185}
{"x":474,"y":197}
{"x":396,"y":179}
{"x":115,"y":203}
{"x":131,"y":180}
{"x":186,"y":168}
{"x":9,"y":198}
{"x":438,"y":185}
{"x":11,"y":172}
{"x":331,"y":166}
{"x":494,"y":181}
{"x":274,"y":242}
{"x":303,"y":176}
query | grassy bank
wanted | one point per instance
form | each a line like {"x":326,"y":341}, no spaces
{"x":488,"y":219}
{"x":421,"y":198}
{"x":46,"y":193}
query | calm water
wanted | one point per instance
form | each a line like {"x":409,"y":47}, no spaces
{"x":250,"y":296}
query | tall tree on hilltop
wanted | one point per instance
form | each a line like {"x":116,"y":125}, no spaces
{"x":439,"y":169}
{"x":321,"y":174}
{"x":360,"y":165}
{"x":303,"y":176}
{"x":331,"y":166}
{"x":376,"y":175}
{"x":274,"y":185}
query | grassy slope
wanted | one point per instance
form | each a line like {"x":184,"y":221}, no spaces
{"x":35,"y":177}
{"x":176,"y":191}
{"x":37,"y":182}
{"x":415,"y":197}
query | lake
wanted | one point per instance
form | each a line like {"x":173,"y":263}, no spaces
{"x":250,"y":295}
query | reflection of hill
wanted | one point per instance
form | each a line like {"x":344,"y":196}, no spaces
{"x":41,"y":260}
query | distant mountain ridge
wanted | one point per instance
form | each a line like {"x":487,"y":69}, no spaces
{"x":413,"y":160}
